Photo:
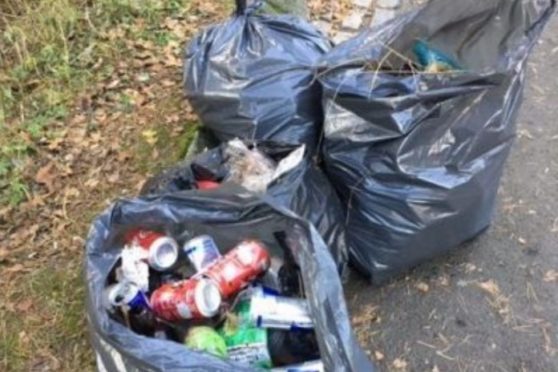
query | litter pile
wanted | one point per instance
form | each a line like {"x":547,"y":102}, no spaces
{"x":233,"y":259}
{"x":242,"y":306}
{"x":216,"y":280}
{"x":285,"y":173}
{"x":419,"y":121}
{"x":252,"y":77}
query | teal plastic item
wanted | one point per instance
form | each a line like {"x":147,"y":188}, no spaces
{"x":432,"y":59}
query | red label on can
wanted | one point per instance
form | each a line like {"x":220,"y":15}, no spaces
{"x":143,"y":238}
{"x":239,"y":267}
{"x":184,"y":300}
{"x":176,"y":301}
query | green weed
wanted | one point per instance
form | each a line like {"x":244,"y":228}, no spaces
{"x":48,"y":50}
{"x":48,"y":322}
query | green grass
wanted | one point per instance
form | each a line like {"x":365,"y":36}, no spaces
{"x":52,"y":328}
{"x":171,"y":148}
{"x":51,"y":51}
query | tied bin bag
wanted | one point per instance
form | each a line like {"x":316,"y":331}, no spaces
{"x":251,"y":77}
{"x":419,"y":119}
{"x":229,"y":217}
{"x":302,"y":187}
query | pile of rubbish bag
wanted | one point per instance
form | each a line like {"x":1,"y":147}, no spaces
{"x":383,"y":152}
{"x":282,"y":172}
{"x":252,"y":77}
{"x":217,"y":280}
{"x":419,"y":120}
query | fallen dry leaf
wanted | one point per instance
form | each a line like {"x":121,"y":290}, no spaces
{"x":498,"y":301}
{"x":366,"y":316}
{"x":550,"y":276}
{"x":113,"y":84}
{"x":45,"y":176}
{"x":469,"y":267}
{"x":113,"y":178}
{"x":54,"y":145}
{"x":123,"y":156}
{"x":91,"y":183}
{"x":490,"y":287}
{"x":150,"y":136}
{"x":24,"y":306}
{"x":422,"y":287}
{"x":3,"y":254}
{"x":168,"y":83}
{"x":444,"y":280}
{"x":72,"y":192}
{"x":399,"y":363}
{"x":378,"y":355}
{"x":15,"y":269}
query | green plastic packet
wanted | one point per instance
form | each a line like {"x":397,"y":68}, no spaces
{"x":206,"y":339}
{"x":245,"y":344}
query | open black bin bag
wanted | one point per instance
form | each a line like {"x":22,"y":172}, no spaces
{"x":304,"y":189}
{"x":252,"y":77}
{"x":229,"y":216}
{"x":418,"y":156}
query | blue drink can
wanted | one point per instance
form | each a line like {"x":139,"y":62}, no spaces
{"x":202,"y":251}
{"x":126,"y":294}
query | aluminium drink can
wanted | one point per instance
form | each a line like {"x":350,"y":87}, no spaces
{"x":273,"y":311}
{"x":202,"y":251}
{"x":239,"y":267}
{"x":161,"y":251}
{"x":126,"y":294}
{"x":195,"y":298}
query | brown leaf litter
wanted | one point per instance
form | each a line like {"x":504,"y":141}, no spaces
{"x":497,"y":300}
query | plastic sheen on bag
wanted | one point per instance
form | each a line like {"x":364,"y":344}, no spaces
{"x":416,"y":155}
{"x":300,"y":186}
{"x":252,"y":77}
{"x":228,"y":216}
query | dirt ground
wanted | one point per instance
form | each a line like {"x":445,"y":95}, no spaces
{"x":491,"y":306}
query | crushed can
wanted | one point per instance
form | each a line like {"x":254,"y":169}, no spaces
{"x":201,"y":251}
{"x":239,"y":267}
{"x":195,"y":298}
{"x":313,"y":366}
{"x":161,"y":251}
{"x":272,"y":311}
{"x":128,"y":295}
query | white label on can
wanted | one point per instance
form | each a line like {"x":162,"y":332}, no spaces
{"x":270,"y":311}
{"x":202,"y":252}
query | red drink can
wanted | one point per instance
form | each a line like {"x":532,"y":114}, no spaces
{"x":161,"y":250}
{"x":207,"y":185}
{"x":188,"y":299}
{"x":238,"y":267}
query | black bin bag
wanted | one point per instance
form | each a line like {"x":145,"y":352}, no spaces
{"x":416,"y":155}
{"x":229,"y":217}
{"x":304,"y":189}
{"x":252,"y":77}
